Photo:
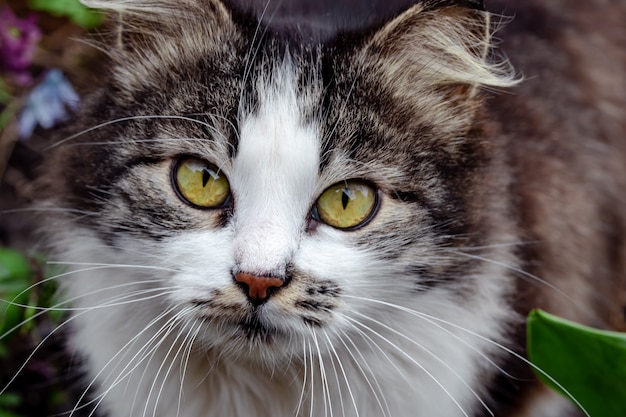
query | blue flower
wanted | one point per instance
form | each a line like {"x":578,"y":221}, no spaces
{"x":46,"y":105}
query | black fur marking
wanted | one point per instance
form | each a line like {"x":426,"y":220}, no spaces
{"x":255,"y":329}
{"x":313,"y":305}
{"x":413,"y":197}
{"x":326,"y":288}
{"x":312,"y":321}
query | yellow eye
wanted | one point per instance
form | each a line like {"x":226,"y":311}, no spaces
{"x":346,"y":205}
{"x":201,"y":183}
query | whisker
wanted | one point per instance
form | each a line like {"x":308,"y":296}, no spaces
{"x":533,"y":278}
{"x":343,"y":372}
{"x":312,"y":396}
{"x":458,"y":338}
{"x":184,"y":365}
{"x":411,"y":359}
{"x":324,"y":380}
{"x":332,"y":362}
{"x":304,"y":377}
{"x":384,"y":408}
{"x":127,"y":119}
{"x":106,"y":365}
{"x":141,"y":354}
{"x":179,"y":317}
{"x":485,"y":339}
{"x":437,"y":358}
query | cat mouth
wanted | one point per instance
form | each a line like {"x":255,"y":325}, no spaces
{"x":254,"y":329}
{"x":249,"y":325}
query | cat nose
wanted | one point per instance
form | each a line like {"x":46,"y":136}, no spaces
{"x":257,"y":287}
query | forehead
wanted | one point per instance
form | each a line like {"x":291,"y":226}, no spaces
{"x":229,"y":84}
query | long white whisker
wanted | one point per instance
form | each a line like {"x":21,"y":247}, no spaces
{"x":437,"y":358}
{"x":174,"y":359}
{"x":523,"y":273}
{"x":123,"y":349}
{"x":184,"y":365}
{"x":483,"y":338}
{"x":332,"y":362}
{"x":343,"y":372}
{"x":457,"y":337}
{"x":312,"y":396}
{"x":88,"y":269}
{"x":324,"y":380}
{"x":411,"y":359}
{"x":36,"y":349}
{"x":372,"y":343}
{"x":375,"y":390}
{"x":141,"y":353}
{"x":304,"y":377}
{"x":128,"y":298}
{"x":126,"y":119}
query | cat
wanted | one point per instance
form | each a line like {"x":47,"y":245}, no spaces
{"x":258,"y":222}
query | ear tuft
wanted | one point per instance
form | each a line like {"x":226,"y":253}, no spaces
{"x":439,"y":44}
{"x":139,"y":25}
{"x":153,"y":36}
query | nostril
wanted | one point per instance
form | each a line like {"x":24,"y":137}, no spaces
{"x":257,"y":287}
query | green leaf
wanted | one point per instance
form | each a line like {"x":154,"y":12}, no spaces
{"x":9,"y":400}
{"x":4,"y":413}
{"x":13,"y":266}
{"x":5,"y":96}
{"x":582,"y":363}
{"x":72,"y":9}
{"x":15,"y":274}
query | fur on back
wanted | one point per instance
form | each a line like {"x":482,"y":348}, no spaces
{"x":482,"y":213}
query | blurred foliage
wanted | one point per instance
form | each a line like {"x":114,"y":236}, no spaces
{"x":29,"y":385}
{"x":72,"y":9}
{"x":582,"y":363}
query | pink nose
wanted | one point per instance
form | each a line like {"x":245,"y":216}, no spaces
{"x":258,"y":286}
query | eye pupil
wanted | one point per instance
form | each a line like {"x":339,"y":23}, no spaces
{"x":345,"y":198}
{"x":206,"y":176}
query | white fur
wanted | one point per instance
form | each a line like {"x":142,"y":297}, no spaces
{"x":377,"y":356}
{"x":274,"y":175}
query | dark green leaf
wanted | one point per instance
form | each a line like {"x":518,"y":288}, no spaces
{"x":15,"y":275}
{"x":9,"y":399}
{"x":584,"y":364}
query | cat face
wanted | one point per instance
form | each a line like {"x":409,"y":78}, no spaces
{"x":264,"y":195}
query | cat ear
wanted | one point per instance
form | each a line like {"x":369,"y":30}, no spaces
{"x":147,"y":34}
{"x":434,"y":44}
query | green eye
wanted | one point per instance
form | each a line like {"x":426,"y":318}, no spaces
{"x":346,"y":205}
{"x":201,"y":183}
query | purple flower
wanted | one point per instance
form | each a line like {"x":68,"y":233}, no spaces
{"x":46,"y":104}
{"x":18,"y":43}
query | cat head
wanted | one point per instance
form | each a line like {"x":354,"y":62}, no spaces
{"x":264,"y":190}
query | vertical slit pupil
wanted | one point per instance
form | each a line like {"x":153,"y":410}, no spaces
{"x":345,"y":198}
{"x":206,"y":176}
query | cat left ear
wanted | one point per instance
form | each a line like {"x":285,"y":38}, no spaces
{"x":147,"y":34}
